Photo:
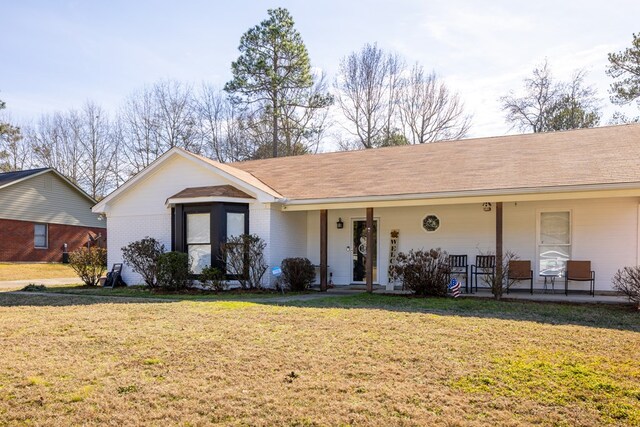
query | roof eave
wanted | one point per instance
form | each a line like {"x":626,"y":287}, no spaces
{"x":470,"y":196}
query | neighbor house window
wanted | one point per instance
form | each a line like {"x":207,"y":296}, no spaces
{"x":40,"y":236}
{"x":554,"y":241}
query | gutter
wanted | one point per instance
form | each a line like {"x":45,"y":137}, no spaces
{"x":466,"y":193}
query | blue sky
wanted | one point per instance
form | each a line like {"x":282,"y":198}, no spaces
{"x":57,"y":54}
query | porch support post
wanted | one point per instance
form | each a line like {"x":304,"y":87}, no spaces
{"x":323,"y":250}
{"x":370,"y":249}
{"x":499,"y":262}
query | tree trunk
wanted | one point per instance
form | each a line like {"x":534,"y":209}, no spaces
{"x":275,"y":124}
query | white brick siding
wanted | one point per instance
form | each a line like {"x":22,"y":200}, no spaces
{"x":126,"y":229}
{"x":604,"y":231}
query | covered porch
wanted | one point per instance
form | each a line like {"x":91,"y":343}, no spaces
{"x":339,"y":236}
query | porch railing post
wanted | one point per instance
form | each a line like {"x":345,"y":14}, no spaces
{"x":370,"y":249}
{"x":323,"y":250}
{"x":499,"y":255}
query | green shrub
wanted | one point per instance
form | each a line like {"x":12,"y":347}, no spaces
{"x":142,"y":257}
{"x":243,"y":257}
{"x":212,"y":278}
{"x":173,"y":271}
{"x":424,"y":272}
{"x":89,"y":264}
{"x":297,"y":273}
{"x":32,"y":287}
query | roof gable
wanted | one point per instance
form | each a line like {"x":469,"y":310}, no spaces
{"x":11,"y":178}
{"x":236,"y":177}
{"x":8,"y":178}
{"x":47,"y":197}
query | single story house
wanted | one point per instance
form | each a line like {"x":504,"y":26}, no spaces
{"x":547,"y":197}
{"x":41,"y":214}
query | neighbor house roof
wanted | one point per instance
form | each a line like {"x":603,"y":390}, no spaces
{"x":598,"y":156}
{"x":8,"y":178}
{"x":213,"y":191}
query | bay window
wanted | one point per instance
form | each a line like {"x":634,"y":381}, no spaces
{"x":200,"y":229}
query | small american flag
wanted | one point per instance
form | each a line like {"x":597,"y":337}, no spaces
{"x":454,"y":287}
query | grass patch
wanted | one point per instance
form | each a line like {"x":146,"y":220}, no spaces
{"x":560,"y":378}
{"x":354,"y":360}
{"x":25,"y":271}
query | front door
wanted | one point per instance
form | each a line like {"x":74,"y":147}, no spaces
{"x":359,"y":251}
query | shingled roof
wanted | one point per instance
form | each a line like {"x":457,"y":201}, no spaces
{"x":598,"y":156}
{"x":212,"y":191}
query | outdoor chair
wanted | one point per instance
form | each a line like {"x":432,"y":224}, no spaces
{"x":580,"y":271}
{"x":114,"y":277}
{"x":518,"y":271}
{"x":485,"y":266}
{"x":458,"y":266}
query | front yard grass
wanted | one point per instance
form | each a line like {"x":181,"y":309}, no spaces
{"x":25,"y":271}
{"x":355,"y":360}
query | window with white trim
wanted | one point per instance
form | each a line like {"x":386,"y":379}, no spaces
{"x":40,"y":236}
{"x":554,"y":242}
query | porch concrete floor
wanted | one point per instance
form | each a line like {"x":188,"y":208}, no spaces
{"x":537,"y":295}
{"x":557,"y":297}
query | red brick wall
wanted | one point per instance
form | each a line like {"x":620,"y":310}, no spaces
{"x":17,"y":245}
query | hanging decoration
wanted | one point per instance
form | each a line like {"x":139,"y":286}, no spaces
{"x":393,"y":256}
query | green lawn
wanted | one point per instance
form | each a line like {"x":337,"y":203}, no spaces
{"x":355,"y":360}
{"x":27,"y":271}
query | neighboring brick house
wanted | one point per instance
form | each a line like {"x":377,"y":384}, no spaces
{"x":40,"y":212}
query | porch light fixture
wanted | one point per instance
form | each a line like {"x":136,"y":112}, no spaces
{"x":486,"y":206}
{"x":340,"y":224}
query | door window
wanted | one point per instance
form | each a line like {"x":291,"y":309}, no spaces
{"x":359,"y":252}
{"x":554,"y":242}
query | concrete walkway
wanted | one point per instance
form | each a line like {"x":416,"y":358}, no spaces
{"x":536,"y":296}
{"x":306,"y":297}
{"x":19,"y":284}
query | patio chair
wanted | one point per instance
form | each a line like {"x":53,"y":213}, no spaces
{"x":485,"y":266}
{"x":458,"y":266}
{"x":580,"y":271}
{"x":518,"y":271}
{"x":114,"y":277}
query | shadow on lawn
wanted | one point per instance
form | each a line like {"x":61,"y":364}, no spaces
{"x":608,"y":316}
{"x":25,"y":299}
